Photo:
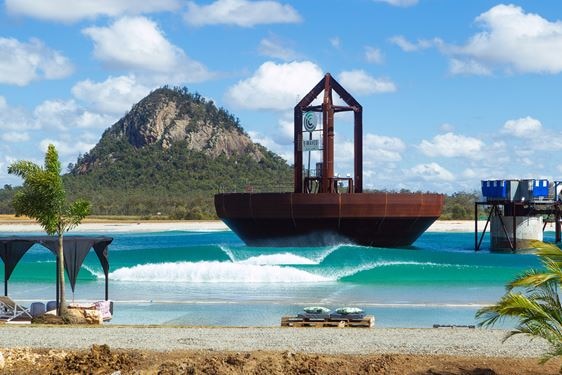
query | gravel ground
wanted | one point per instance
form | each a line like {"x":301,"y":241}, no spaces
{"x":449,"y":341}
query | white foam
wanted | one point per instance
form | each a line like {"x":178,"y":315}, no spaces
{"x":322,"y":255}
{"x":214,"y":272}
{"x":278,"y":259}
{"x":97,"y":274}
{"x":338,"y":274}
{"x":228,"y":252}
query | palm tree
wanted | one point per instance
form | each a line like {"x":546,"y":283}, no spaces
{"x":538,"y":310}
{"x":43,"y":198}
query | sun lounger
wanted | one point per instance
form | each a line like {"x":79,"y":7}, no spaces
{"x":314,"y":313}
{"x":37,"y":309}
{"x":349,"y":317}
{"x":348,"y":314}
{"x":313,"y":317}
{"x":11,"y":311}
{"x":51,"y":305}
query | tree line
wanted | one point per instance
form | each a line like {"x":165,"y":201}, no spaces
{"x":184,"y":204}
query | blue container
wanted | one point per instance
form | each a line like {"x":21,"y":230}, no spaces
{"x":540,"y":188}
{"x":495,"y":189}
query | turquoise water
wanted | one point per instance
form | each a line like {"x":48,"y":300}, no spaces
{"x":212,"y":278}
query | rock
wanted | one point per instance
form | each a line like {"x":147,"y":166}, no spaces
{"x":2,"y":361}
{"x":75,"y":316}
{"x":93,"y":317}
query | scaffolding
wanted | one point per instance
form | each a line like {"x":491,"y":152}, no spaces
{"x":550,"y":210}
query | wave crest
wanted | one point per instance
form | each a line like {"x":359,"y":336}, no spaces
{"x":214,"y":272}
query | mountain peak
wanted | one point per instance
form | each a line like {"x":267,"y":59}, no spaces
{"x":170,"y":117}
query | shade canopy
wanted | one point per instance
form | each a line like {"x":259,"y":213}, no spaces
{"x":13,"y":248}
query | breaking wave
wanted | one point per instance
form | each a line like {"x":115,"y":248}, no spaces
{"x":214,"y":272}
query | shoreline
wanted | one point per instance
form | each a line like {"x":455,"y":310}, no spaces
{"x":108,"y":226}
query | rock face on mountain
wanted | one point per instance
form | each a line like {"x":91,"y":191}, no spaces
{"x":168,"y":117}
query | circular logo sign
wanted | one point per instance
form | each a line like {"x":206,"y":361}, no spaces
{"x":309,"y":121}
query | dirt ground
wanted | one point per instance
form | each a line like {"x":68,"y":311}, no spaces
{"x":103,"y":360}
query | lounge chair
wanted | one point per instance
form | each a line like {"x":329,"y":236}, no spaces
{"x":11,"y":311}
{"x":315,"y":313}
{"x":348,"y":313}
{"x":51,"y":305}
{"x":37,"y":309}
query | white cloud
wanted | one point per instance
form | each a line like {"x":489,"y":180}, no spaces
{"x":358,"y":81}
{"x":452,"y":145}
{"x":65,"y":115}
{"x":14,"y":119}
{"x":469,"y":173}
{"x":399,"y":3}
{"x":380,"y":148}
{"x":335,"y":42}
{"x":137,"y":43}
{"x":519,"y":41}
{"x":56,"y":113}
{"x":408,"y":46}
{"x":21,"y":63}
{"x":526,"y":127}
{"x":67,"y":147}
{"x":15,"y":136}
{"x":373,"y":55}
{"x":114,"y":95}
{"x":431,"y":172}
{"x":72,"y":10}
{"x":446,"y":127}
{"x":275,"y":86}
{"x":285,"y":131}
{"x":468,"y":67}
{"x":242,"y":13}
{"x":272,"y":47}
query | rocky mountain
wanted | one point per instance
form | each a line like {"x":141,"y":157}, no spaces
{"x":174,"y":150}
{"x":171,"y":116}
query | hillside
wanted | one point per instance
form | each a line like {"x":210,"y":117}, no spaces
{"x":170,"y":154}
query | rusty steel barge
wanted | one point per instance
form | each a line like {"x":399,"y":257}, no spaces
{"x":326,"y":209}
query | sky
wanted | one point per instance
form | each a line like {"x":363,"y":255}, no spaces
{"x":453,"y":91}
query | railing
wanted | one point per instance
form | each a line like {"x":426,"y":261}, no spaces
{"x":251,"y":188}
{"x":340,"y":185}
{"x":312,"y":185}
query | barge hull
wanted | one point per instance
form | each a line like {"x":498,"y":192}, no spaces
{"x":296,"y":219}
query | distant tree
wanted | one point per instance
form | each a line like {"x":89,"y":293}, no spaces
{"x":459,"y":206}
{"x":43,"y":198}
{"x":538,"y":310}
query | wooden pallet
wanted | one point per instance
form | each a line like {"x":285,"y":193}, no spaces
{"x":293,"y":321}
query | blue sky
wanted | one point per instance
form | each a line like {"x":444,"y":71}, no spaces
{"x":453,"y":91}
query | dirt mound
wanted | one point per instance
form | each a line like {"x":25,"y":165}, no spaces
{"x":101,"y":360}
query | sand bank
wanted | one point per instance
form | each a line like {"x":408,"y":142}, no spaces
{"x":210,"y":225}
{"x":123,"y":227}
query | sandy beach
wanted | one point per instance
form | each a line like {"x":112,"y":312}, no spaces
{"x":25,"y":226}
{"x":176,"y":350}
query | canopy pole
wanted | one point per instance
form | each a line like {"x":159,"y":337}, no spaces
{"x":58,"y":285}
{"x":106,"y":287}
{"x":5,"y":282}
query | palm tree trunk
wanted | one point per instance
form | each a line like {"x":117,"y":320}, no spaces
{"x":62,"y":306}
